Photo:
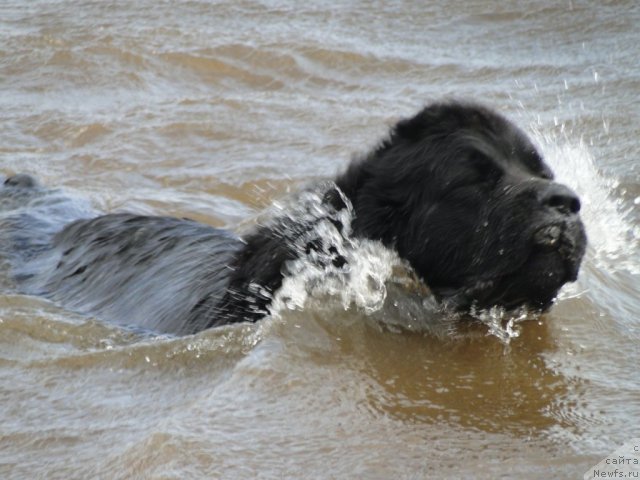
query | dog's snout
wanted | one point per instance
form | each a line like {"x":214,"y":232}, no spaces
{"x":561,"y":198}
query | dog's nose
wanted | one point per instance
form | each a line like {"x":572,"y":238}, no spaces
{"x":560,"y":197}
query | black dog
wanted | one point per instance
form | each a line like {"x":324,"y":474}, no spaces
{"x":458,"y":191}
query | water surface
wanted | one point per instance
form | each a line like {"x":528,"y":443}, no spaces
{"x":213,"y":110}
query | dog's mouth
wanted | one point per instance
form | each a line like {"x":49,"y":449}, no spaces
{"x":548,"y":238}
{"x":566,"y":242}
{"x":556,"y":252}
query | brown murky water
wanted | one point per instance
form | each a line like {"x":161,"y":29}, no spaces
{"x":213,"y":110}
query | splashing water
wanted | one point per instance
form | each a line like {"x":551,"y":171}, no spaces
{"x":611,"y":233}
{"x":358,"y":279}
{"x":503,"y":324}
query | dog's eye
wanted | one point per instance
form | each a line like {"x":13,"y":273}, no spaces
{"x":485,"y":168}
{"x":477,"y":171}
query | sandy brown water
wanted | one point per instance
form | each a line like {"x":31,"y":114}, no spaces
{"x":213,"y":110}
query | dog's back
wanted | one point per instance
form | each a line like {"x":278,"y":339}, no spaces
{"x":151,"y":272}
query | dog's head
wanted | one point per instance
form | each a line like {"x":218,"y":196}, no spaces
{"x":465,"y":197}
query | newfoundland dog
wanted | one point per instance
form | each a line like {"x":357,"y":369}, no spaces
{"x":458,"y":191}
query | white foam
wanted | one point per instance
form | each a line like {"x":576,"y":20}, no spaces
{"x":504,"y":324}
{"x":360,"y":282}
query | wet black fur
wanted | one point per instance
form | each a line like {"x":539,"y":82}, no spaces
{"x":261,"y":262}
{"x":463,"y":195}
{"x":457,"y":190}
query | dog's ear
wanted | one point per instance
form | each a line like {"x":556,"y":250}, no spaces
{"x":436,"y":117}
{"x":441,"y":118}
{"x":414,"y":128}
